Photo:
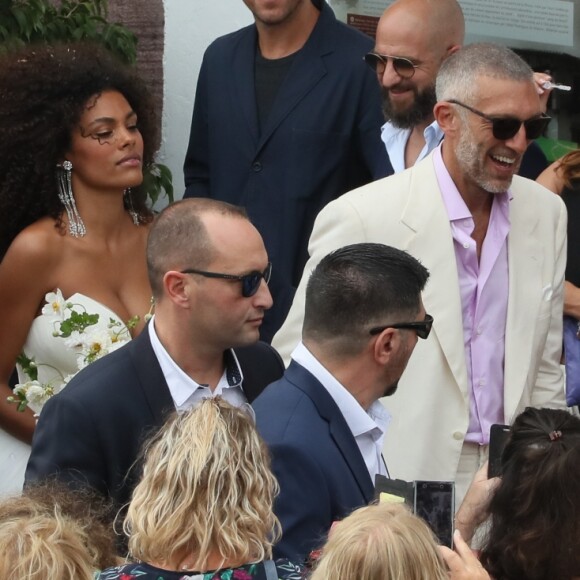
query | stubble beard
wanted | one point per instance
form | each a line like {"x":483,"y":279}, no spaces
{"x":391,"y":389}
{"x":280,"y":19}
{"x":471,"y":158}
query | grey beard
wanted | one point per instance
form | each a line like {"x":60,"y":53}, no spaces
{"x":421,"y":109}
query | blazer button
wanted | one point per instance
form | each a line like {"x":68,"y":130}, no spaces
{"x":458,"y":435}
{"x":256,"y":166}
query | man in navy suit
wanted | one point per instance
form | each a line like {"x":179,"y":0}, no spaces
{"x":323,"y":420}
{"x":286,"y":118}
{"x":208,"y":270}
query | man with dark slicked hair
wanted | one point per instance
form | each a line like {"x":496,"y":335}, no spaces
{"x":323,"y":420}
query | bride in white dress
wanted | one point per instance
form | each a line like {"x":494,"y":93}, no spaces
{"x":77,"y":128}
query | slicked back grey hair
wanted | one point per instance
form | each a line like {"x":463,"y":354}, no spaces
{"x":458,"y":75}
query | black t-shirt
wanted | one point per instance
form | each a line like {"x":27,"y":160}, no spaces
{"x":269,"y":76}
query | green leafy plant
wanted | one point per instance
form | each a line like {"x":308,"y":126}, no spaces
{"x":29,"y":21}
{"x":156,"y":180}
{"x":34,"y":21}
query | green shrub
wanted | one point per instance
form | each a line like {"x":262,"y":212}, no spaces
{"x":34,"y":21}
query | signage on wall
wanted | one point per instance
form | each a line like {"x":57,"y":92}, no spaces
{"x":546,"y":25}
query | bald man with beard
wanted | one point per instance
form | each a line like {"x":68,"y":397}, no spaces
{"x":417,"y":36}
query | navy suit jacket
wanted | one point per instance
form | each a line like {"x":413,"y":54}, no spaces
{"x":92,"y":432}
{"x":319,"y":467}
{"x":533,"y":162}
{"x":321,"y":139}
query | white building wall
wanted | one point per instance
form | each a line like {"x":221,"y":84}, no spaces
{"x":190,"y":26}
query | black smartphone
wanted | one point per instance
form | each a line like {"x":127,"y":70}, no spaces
{"x":498,"y":436}
{"x":435,"y":503}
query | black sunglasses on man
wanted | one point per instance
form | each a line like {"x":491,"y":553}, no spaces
{"x":250,"y":282}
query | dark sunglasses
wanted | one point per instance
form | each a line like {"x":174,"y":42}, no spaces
{"x":404,"y":67}
{"x":250,"y":282}
{"x":504,"y":128}
{"x":422,"y":328}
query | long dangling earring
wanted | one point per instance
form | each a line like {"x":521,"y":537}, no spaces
{"x":76,"y":227}
{"x":129,"y":205}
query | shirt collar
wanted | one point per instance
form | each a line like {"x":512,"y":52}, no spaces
{"x":374,"y":421}
{"x":433,"y":134}
{"x":180,"y":385}
{"x":390,"y":133}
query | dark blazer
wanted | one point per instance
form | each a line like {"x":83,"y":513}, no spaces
{"x":321,"y":139}
{"x":533,"y":162}
{"x":319,"y":467}
{"x":91,"y":433}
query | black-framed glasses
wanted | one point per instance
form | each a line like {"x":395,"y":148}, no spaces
{"x":404,"y":67}
{"x":250,"y":282}
{"x":421,"y":327}
{"x":504,"y":128}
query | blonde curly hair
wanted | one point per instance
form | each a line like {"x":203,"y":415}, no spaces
{"x":381,"y":542}
{"x":206,"y":488}
{"x":36,"y":544}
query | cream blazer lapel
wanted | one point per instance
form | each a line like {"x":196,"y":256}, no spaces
{"x":525,"y":259}
{"x":426,"y":216}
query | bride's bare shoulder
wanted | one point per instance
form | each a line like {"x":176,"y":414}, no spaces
{"x":29,"y":269}
{"x":41,"y":243}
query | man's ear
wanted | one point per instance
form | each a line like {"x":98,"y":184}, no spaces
{"x":452,"y":49}
{"x":386,"y":344}
{"x":446,"y":116}
{"x":176,"y":288}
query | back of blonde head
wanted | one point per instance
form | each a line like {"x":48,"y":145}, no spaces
{"x":36,"y":545}
{"x":206,"y":487}
{"x":381,"y":542}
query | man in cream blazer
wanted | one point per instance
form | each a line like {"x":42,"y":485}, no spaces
{"x":431,"y":409}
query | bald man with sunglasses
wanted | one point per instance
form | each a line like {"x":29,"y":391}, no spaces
{"x":209,"y":272}
{"x":495,"y":244}
{"x":413,"y":39}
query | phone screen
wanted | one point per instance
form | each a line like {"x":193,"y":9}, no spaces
{"x":498,"y":436}
{"x":435,"y":503}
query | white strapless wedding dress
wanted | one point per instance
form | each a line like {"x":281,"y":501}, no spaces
{"x":46,"y":349}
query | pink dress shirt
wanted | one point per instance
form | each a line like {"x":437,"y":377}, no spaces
{"x":483,"y":288}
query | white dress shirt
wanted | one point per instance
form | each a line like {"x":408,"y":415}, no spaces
{"x":185,"y":392}
{"x":368,"y":427}
{"x":395,"y":141}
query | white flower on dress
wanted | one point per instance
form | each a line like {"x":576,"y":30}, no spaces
{"x":83,"y":333}
{"x":55,"y":305}
{"x":94,"y":346}
{"x":94,"y":343}
{"x":36,"y":394}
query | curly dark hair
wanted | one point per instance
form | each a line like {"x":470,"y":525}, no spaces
{"x":535,"y":511}
{"x":43,"y":93}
